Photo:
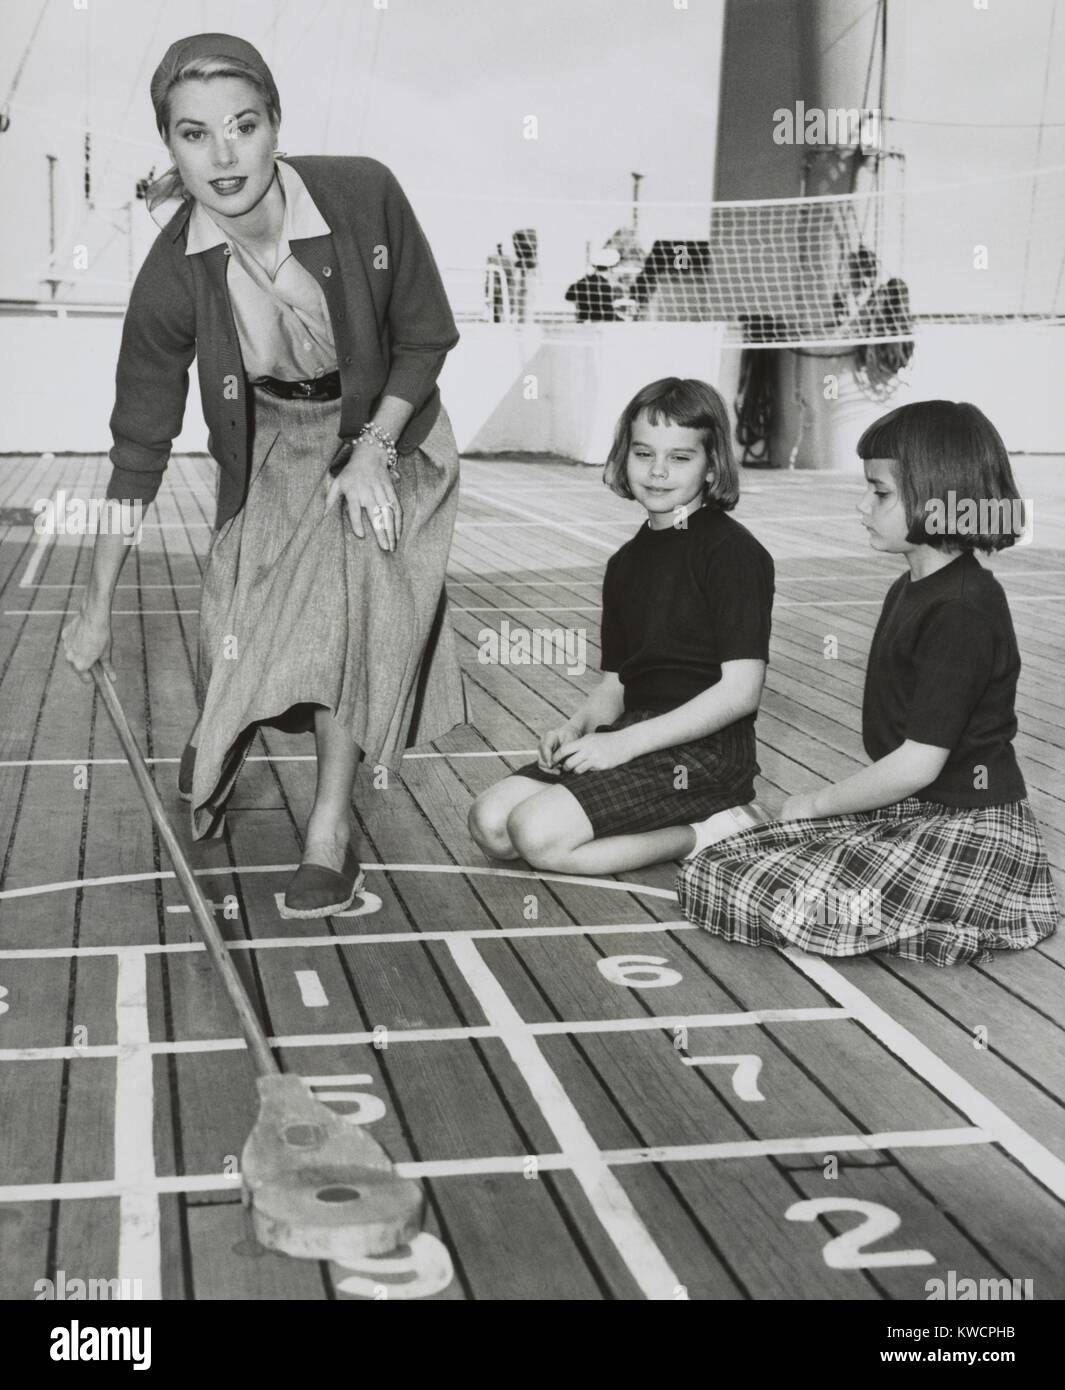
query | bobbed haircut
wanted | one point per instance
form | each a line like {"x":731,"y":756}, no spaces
{"x":170,"y":185}
{"x":944,"y":447}
{"x":694,"y":405}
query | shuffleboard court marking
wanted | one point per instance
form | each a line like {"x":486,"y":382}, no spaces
{"x":529,"y":526}
{"x":282,"y":943}
{"x":115,"y":612}
{"x":531,"y":608}
{"x":259,"y":758}
{"x":312,"y":991}
{"x":34,"y":563}
{"x":550,"y":523}
{"x":1031,"y":1155}
{"x":483,"y":871}
{"x":606,"y":1196}
{"x":167,"y":588}
{"x":640,"y":1023}
{"x":368,"y":904}
{"x":505,"y":1164}
{"x":139,"y":1243}
{"x":1034,"y":1157}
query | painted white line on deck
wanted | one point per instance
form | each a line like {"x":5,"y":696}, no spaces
{"x":530,"y":608}
{"x":115,"y":612}
{"x":167,"y":587}
{"x":312,"y":991}
{"x":30,"y":574}
{"x":163,"y":875}
{"x":256,"y":758}
{"x":529,"y":525}
{"x":553,"y":1162}
{"x":608,"y":1199}
{"x":1043,"y":1165}
{"x":139,"y":1246}
{"x":642,"y":1023}
{"x":524,"y":583}
{"x":285,"y":943}
{"x":500,"y":505}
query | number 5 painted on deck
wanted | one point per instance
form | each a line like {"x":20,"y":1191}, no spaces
{"x":369,"y":1108}
{"x":848,"y":1250}
{"x":746,"y":1066}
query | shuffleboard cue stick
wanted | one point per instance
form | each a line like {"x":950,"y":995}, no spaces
{"x":318,"y":1187}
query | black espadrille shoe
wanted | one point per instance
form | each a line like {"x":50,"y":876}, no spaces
{"x":315,"y":891}
{"x":184,"y":777}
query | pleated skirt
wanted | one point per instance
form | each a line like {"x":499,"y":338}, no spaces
{"x":918,"y":880}
{"x":297,"y":612}
{"x":671,"y":786}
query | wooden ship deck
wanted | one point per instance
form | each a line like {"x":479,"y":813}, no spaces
{"x":705,"y":1135}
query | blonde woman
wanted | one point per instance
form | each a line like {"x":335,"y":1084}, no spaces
{"x":309,"y":296}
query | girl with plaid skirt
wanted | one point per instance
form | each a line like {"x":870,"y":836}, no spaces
{"x":667,"y":737}
{"x":931,"y":853}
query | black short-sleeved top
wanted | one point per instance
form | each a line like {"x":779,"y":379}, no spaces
{"x":677,"y":602}
{"x":943,"y":670}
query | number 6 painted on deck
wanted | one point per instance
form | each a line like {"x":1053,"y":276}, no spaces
{"x":639,"y":972}
{"x":848,"y":1250}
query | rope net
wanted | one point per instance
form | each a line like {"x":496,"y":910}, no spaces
{"x":804,"y":272}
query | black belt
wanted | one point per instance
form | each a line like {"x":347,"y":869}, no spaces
{"x":321,"y":388}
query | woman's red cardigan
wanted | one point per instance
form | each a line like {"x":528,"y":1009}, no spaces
{"x":391,"y":320}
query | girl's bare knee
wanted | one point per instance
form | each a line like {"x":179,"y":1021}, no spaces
{"x":534,"y":838}
{"x":488,"y":829}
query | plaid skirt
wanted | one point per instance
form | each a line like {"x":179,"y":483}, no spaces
{"x":297,"y":612}
{"x":671,"y":786}
{"x":918,"y":880}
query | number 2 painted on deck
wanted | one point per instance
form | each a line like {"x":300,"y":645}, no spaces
{"x":848,"y":1250}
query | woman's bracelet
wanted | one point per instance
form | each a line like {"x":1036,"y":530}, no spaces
{"x":387,"y":443}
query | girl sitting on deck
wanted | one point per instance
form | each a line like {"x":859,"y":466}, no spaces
{"x":931,"y":853}
{"x":667,"y":736}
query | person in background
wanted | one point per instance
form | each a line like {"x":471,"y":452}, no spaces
{"x":593,"y":294}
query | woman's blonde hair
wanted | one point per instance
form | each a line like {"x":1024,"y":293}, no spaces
{"x":169,"y":185}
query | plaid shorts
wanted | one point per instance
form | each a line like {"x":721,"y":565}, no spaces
{"x":938,"y":884}
{"x":671,"y":786}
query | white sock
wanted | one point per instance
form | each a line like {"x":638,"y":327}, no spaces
{"x":719,"y":827}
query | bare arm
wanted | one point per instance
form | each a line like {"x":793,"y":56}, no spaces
{"x":605,"y":704}
{"x":735,"y":695}
{"x":602,"y":706}
{"x":87,"y":637}
{"x":902,"y":773}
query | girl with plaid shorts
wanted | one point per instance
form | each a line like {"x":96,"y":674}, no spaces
{"x":932,"y":853}
{"x":667,"y":737}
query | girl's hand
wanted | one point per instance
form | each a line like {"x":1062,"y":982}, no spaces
{"x":550,"y":741}
{"x":86,"y":639}
{"x":366,"y":486}
{"x":799,"y":807}
{"x":594,"y":752}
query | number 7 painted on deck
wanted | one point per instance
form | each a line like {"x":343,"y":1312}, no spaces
{"x":747,"y":1066}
